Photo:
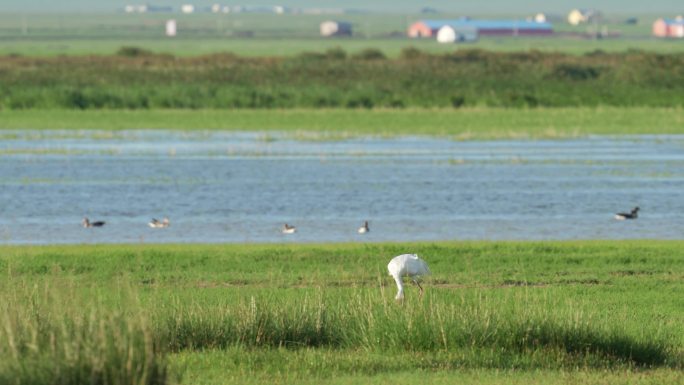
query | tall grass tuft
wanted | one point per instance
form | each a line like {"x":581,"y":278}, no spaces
{"x":517,"y":327}
{"x":51,"y":335}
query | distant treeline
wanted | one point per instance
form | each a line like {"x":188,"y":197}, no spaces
{"x":136,"y":79}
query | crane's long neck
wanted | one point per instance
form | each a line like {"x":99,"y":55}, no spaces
{"x":400,"y":287}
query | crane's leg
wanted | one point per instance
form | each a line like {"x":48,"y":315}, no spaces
{"x":420,"y":287}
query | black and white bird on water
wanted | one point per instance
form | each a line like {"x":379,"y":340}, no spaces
{"x":634,"y":214}
{"x":87,"y":223}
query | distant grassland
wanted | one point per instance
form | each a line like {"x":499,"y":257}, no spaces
{"x":249,"y":34}
{"x":269,"y":46}
{"x":137,"y":79}
{"x":333,"y":124}
{"x":589,"y":312}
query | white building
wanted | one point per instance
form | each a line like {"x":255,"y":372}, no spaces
{"x":171,"y":28}
{"x":187,"y":8}
{"x":578,"y":16}
{"x":135,"y":8}
{"x":451,"y":34}
{"x":335,"y":28}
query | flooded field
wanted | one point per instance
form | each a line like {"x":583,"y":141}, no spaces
{"x":242,"y":187}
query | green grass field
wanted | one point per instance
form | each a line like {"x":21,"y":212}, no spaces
{"x":583,"y":312}
{"x":330,"y":124}
{"x":286,"y":35}
{"x":392,"y":47}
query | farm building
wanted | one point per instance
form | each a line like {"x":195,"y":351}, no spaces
{"x":187,"y":8}
{"x":336,"y":28}
{"x":429,"y":28}
{"x":669,"y":27}
{"x":579,"y":16}
{"x":449,"y":34}
{"x":171,"y":28}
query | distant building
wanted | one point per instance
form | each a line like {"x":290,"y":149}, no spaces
{"x":449,"y":34}
{"x":171,"y":28}
{"x":669,"y":27}
{"x":429,"y":28}
{"x":187,"y":8}
{"x":159,"y":8}
{"x":540,"y":18}
{"x":135,"y":8}
{"x":336,"y":28}
{"x":579,"y":16}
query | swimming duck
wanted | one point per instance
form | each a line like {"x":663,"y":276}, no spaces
{"x":364,"y":229}
{"x":87,"y":223}
{"x":289,"y":229}
{"x":631,"y":215}
{"x":154,"y":223}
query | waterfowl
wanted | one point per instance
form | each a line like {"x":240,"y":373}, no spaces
{"x":289,"y":229}
{"x":634,"y":214}
{"x":364,"y":229}
{"x":154,"y":223}
{"x":87,"y":223}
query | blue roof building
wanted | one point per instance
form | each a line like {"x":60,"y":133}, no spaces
{"x":428,"y":28}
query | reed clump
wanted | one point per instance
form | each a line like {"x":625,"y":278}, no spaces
{"x":51,"y":336}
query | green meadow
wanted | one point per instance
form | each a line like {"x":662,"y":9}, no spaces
{"x":335,"y":124}
{"x":245,"y":34}
{"x":581,"y":312}
{"x":269,"y":46}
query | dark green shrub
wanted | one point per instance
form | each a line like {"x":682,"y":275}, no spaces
{"x":133,"y":52}
{"x":576,"y":72}
{"x":457,"y":101}
{"x":370,"y":54}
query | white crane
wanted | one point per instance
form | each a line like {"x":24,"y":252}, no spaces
{"x":407,"y":265}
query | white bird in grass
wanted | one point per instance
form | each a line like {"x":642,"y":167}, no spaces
{"x":407,"y":265}
{"x":289,"y":229}
{"x":364,"y":229}
{"x":154,"y":223}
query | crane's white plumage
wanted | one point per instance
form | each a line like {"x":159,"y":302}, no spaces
{"x":407,"y":265}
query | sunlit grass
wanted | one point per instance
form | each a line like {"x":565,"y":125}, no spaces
{"x":51,"y":335}
{"x":336,"y":124}
{"x":562,"y":312}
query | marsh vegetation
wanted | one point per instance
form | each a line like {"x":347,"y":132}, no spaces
{"x":138,"y":79}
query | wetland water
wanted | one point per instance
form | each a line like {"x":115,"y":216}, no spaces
{"x":241,"y":187}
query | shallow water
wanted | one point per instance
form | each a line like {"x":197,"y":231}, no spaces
{"x":241,"y":187}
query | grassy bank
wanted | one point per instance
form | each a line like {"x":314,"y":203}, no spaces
{"x":504,"y":312}
{"x":475,"y":123}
